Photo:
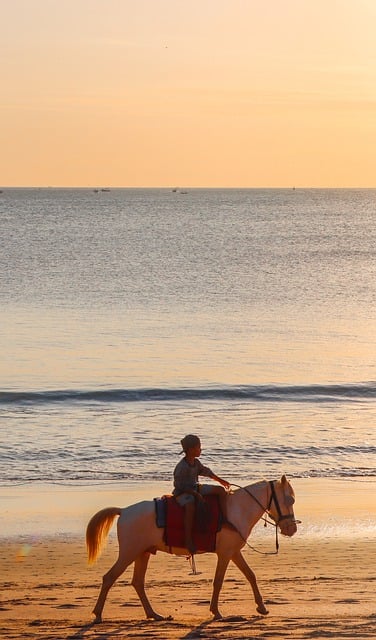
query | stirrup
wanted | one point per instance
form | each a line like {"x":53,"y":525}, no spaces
{"x":192,"y":561}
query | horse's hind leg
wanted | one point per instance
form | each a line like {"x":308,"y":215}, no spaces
{"x":238,"y":559}
{"x":108,"y":580}
{"x":222,"y":564}
{"x":138,"y":582}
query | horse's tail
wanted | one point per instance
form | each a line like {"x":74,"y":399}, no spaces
{"x":97,"y":531}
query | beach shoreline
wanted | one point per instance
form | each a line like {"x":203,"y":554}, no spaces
{"x":321,"y":584}
{"x":327,"y":506}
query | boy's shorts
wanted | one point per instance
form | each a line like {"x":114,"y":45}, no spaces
{"x":185,"y":498}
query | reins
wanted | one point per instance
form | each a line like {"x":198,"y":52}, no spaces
{"x":273,"y":497}
{"x":264,"y":509}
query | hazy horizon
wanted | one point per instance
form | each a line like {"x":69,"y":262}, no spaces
{"x":209,"y":95}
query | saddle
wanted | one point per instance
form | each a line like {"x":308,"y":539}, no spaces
{"x":208,"y":521}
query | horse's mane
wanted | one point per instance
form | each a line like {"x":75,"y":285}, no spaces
{"x":250,"y":484}
{"x":259,"y":482}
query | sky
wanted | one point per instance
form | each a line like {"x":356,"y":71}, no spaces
{"x":198,"y":93}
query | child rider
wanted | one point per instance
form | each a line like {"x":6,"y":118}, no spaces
{"x":187,"y":489}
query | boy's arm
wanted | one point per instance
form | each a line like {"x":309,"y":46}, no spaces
{"x":224,"y":483}
{"x":206,"y":471}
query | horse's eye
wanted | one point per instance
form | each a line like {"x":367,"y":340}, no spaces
{"x":289,"y":500}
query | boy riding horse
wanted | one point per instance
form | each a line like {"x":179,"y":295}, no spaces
{"x":187,"y":489}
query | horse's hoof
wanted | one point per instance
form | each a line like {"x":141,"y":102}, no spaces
{"x":262,"y":609}
{"x":97,"y":620}
{"x":217,"y":616}
{"x":157,"y":616}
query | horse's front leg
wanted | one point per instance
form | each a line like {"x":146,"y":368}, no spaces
{"x":222,"y":564}
{"x":238,"y":559}
{"x":138,"y":582}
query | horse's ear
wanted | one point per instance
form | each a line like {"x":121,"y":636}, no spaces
{"x":283,"y":479}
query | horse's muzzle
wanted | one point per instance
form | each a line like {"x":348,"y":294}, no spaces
{"x":288,"y":527}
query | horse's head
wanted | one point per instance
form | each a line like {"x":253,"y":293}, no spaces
{"x":281,"y":506}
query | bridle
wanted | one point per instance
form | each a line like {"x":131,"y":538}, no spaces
{"x":273,"y":521}
{"x":273,"y":497}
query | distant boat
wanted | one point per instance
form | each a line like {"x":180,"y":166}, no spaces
{"x":105,"y":190}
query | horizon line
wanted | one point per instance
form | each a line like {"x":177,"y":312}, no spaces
{"x":173,"y":187}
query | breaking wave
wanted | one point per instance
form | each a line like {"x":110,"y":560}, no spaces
{"x":252,"y":393}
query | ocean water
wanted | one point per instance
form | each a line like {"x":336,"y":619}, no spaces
{"x":131,"y":317}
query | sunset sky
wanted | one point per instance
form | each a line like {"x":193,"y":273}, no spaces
{"x":217,"y":93}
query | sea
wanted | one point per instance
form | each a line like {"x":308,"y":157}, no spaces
{"x":132,"y":317}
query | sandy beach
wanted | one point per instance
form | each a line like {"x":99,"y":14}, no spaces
{"x":320,"y":585}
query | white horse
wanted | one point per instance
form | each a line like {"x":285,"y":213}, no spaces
{"x":139,"y":536}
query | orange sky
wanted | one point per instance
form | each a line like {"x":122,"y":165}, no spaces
{"x":219,"y":93}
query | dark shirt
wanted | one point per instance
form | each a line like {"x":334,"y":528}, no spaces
{"x":186,"y":475}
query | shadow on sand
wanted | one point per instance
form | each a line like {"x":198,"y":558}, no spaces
{"x":210,"y":628}
{"x":217,"y":628}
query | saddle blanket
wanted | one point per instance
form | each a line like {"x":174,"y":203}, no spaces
{"x":208,"y":521}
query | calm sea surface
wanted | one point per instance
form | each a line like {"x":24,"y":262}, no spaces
{"x":132,"y":317}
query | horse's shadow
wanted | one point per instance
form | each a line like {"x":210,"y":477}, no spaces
{"x":104,"y":634}
{"x":117,"y":628}
{"x":80,"y":633}
{"x":240,"y":621}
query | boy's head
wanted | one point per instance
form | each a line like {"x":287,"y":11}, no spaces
{"x":190,"y":442}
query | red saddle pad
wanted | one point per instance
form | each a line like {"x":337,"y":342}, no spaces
{"x":206,"y":524}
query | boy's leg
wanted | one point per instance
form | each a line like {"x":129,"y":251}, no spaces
{"x":221,"y":493}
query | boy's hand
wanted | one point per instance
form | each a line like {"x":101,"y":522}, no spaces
{"x":225,"y":484}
